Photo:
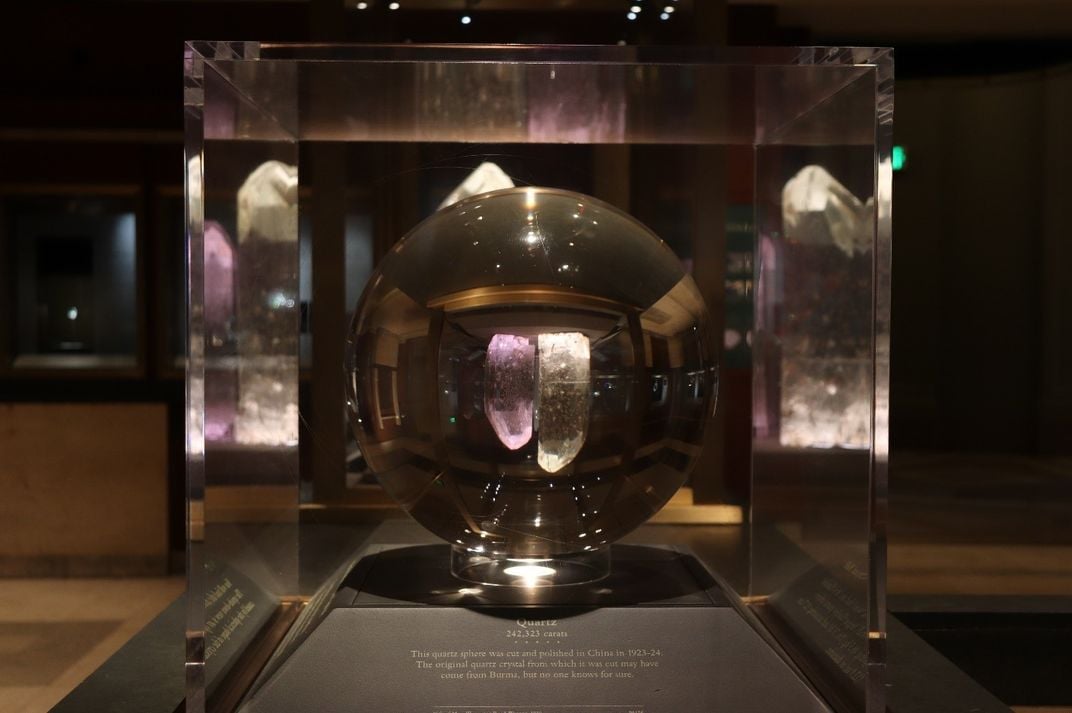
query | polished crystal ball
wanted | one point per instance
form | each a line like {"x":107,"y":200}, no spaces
{"x":529,"y":373}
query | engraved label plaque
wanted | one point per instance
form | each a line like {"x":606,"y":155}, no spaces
{"x":823,"y":613}
{"x":235,"y":610}
{"x":658,"y":635}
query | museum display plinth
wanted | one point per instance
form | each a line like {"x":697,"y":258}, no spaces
{"x":767,"y":173}
{"x":658,"y":634}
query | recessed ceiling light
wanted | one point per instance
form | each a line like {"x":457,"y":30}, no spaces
{"x":631,"y":15}
{"x":393,"y":6}
{"x":466,"y":19}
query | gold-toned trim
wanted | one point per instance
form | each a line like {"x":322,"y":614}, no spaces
{"x":252,"y":660}
{"x":248,"y":504}
{"x":698,"y":515}
{"x":523,"y":294}
{"x":682,"y":510}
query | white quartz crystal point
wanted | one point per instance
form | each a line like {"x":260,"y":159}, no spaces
{"x":485,"y":177}
{"x":266,"y":307}
{"x":563,"y":398}
{"x":818,"y":209}
{"x":268,"y":203}
{"x":509,"y":387}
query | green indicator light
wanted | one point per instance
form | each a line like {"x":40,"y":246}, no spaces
{"x":899,"y":157}
{"x":453,"y":419}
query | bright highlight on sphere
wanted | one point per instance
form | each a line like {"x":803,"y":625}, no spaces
{"x":522,"y":410}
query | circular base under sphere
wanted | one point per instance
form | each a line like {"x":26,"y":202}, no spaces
{"x":501,"y":570}
{"x":529,"y":375}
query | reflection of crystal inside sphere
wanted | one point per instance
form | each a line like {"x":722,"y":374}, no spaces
{"x":530,"y":372}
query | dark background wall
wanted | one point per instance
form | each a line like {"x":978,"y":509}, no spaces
{"x":981,"y":304}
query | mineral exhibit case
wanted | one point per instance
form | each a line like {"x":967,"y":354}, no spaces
{"x":788,"y":146}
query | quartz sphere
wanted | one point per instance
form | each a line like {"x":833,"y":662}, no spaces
{"x":530,"y":372}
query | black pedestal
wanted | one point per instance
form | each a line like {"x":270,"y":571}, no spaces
{"x":658,"y":635}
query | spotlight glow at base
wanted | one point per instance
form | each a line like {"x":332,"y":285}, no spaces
{"x":529,"y":571}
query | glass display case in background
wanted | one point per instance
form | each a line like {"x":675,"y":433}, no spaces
{"x":767,"y":171}
{"x":73,"y":262}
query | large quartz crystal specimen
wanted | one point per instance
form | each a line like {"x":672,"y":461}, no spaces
{"x":563,"y":403}
{"x":509,"y":380}
{"x":267,"y":307}
{"x":485,"y":177}
{"x":826,"y":387}
{"x":817,"y":209}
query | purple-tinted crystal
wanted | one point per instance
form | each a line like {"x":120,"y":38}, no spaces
{"x":509,"y":377}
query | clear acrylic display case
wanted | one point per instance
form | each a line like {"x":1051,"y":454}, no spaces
{"x":766,"y":170}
